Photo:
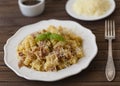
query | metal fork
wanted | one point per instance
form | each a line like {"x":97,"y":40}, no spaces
{"x":110,"y":35}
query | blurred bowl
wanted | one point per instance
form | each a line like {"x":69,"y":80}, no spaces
{"x":31,"y":10}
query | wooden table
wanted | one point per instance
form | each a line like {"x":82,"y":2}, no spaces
{"x":11,"y":20}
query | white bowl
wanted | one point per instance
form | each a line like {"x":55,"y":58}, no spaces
{"x":31,"y":10}
{"x":89,"y":47}
{"x":71,"y":12}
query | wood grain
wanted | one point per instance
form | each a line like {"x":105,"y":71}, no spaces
{"x":12,"y":20}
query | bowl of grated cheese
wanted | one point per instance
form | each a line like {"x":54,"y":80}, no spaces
{"x":90,"y":10}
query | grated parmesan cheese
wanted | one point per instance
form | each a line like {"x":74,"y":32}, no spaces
{"x":91,"y":7}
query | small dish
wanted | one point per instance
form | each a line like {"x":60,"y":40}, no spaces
{"x":89,"y":47}
{"x":70,"y":11}
{"x":31,"y":10}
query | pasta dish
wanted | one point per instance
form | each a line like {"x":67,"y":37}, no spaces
{"x":51,"y":49}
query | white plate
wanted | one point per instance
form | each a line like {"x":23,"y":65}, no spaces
{"x":70,"y":11}
{"x":89,"y":47}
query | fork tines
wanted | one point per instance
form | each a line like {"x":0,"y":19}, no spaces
{"x":109,"y":28}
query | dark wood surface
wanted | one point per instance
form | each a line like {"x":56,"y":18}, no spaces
{"x":11,"y":20}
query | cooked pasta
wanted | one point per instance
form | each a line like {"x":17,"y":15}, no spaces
{"x":51,"y":49}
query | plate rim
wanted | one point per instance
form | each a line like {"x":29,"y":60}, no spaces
{"x":74,"y":15}
{"x":23,"y":76}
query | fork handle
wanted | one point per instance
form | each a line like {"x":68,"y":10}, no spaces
{"x":110,"y":67}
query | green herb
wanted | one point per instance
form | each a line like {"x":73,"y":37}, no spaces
{"x":49,"y":36}
{"x":56,"y":37}
{"x":43,"y":36}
